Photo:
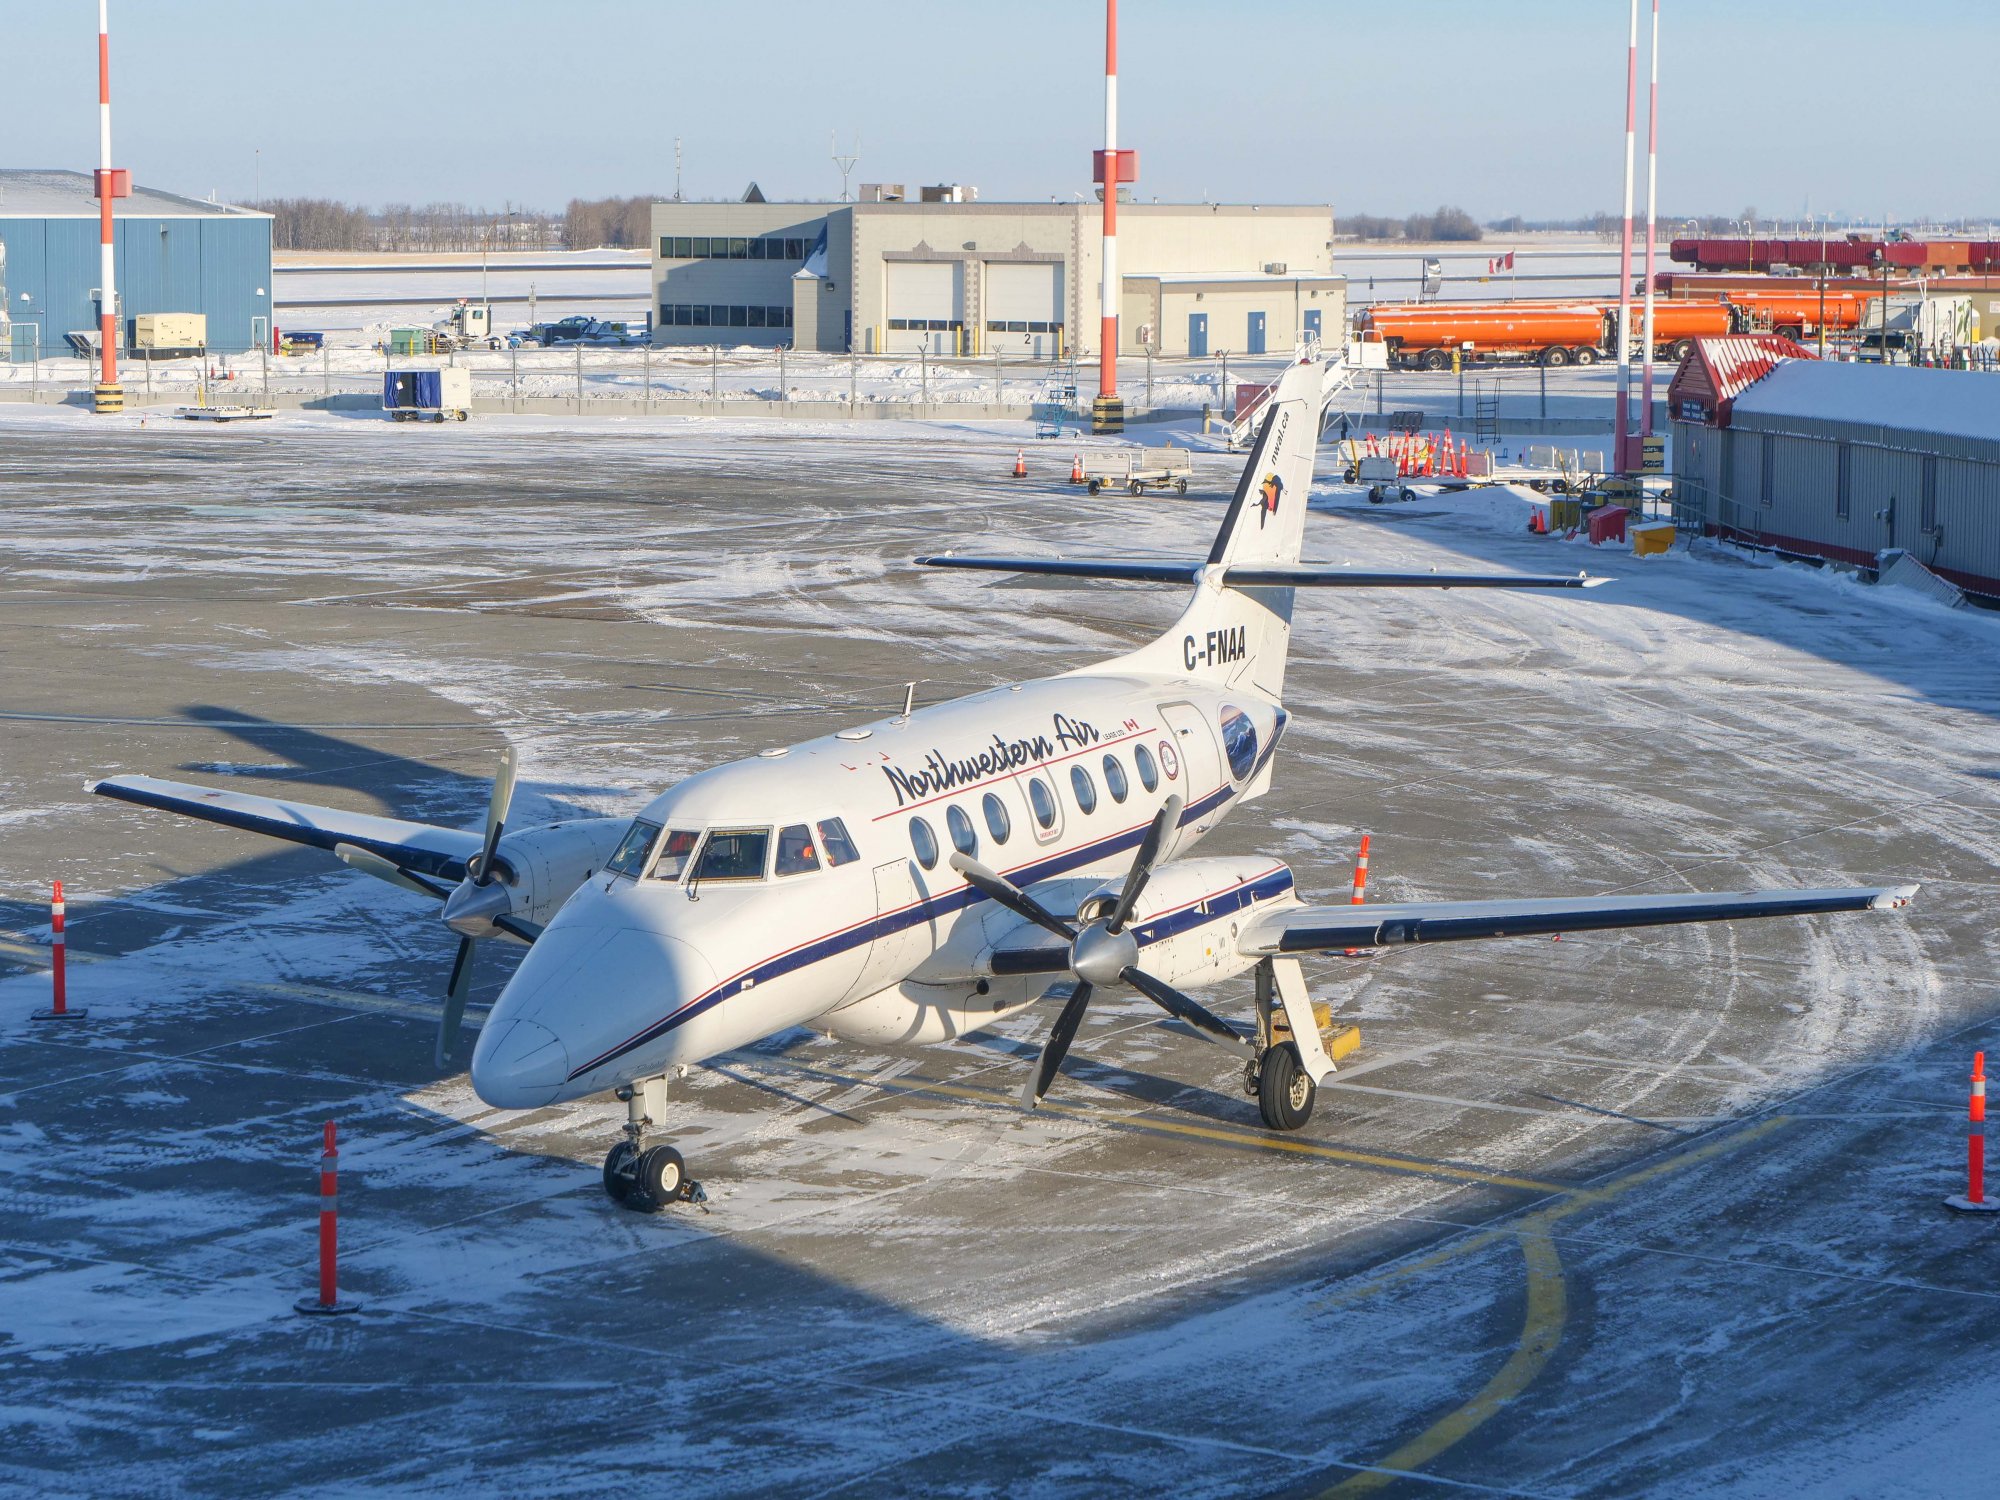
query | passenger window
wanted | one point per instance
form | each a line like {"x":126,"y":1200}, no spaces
{"x":671,"y":862}
{"x":1114,"y":778}
{"x":997,"y":822}
{"x":1149,"y":774}
{"x":924,"y":842}
{"x":833,"y":839}
{"x":734,"y":854}
{"x":963,"y":839}
{"x":1084,"y":790}
{"x":796,"y":855}
{"x":633,"y":849}
{"x":1043,"y":801}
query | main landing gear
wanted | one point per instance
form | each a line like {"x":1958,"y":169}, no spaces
{"x":646,"y":1178}
{"x":1291,"y":1060}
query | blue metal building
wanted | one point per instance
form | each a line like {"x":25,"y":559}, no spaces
{"x":174,"y":255}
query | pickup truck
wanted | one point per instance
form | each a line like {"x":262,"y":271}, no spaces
{"x":577,"y":329}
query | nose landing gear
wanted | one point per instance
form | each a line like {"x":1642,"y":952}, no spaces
{"x":646,"y":1178}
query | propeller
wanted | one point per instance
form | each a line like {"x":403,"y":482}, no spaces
{"x":470,"y":908}
{"x":477,"y":907}
{"x":1101,"y":952}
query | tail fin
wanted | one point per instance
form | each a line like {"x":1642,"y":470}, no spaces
{"x":1238,"y":634}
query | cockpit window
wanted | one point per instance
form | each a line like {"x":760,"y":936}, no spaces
{"x":733,"y":854}
{"x":672,"y":861}
{"x":833,"y":839}
{"x":633,"y":848}
{"x":796,"y":855}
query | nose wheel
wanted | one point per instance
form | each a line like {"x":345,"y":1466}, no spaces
{"x":646,"y":1178}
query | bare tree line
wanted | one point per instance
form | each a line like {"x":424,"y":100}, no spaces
{"x":327,"y":224}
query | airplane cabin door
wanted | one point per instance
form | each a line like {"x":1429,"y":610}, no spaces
{"x":1191,"y":761}
{"x":903,"y":937}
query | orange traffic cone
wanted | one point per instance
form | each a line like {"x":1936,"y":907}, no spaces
{"x":1076,"y":469}
{"x":1020,"y":463}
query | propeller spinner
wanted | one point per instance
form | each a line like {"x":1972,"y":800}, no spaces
{"x":1101,"y":952}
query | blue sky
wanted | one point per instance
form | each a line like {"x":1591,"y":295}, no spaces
{"x":1380,"y":106}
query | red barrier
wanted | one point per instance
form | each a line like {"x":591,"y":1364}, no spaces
{"x":328,"y":1300}
{"x":1360,"y":883}
{"x":1607,"y":524}
{"x":58,"y":967}
{"x":1974,"y":1201}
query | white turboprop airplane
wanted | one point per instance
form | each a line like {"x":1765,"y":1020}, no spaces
{"x":917,"y":878}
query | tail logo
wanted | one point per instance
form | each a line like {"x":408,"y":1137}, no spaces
{"x":1273,"y":490}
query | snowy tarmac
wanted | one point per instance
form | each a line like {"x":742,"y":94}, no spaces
{"x":1645,"y":1214}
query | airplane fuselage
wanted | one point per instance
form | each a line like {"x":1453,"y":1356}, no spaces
{"x":812,"y":884}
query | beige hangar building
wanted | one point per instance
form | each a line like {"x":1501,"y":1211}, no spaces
{"x":958,"y":277}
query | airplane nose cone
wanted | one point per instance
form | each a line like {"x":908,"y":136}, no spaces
{"x":519,"y":1065}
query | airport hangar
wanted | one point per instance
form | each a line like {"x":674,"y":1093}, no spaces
{"x":954,"y":276}
{"x":173,"y":255}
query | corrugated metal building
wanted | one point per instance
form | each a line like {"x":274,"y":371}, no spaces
{"x":174,"y":255}
{"x":961,"y":277}
{"x":1847,"y":461}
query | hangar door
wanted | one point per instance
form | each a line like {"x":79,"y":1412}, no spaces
{"x":926,"y":301}
{"x":1024,"y":308}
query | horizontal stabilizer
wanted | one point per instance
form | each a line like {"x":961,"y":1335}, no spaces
{"x":1062,"y":567}
{"x":440,"y":853}
{"x":1321,"y":929}
{"x":1260,"y":575}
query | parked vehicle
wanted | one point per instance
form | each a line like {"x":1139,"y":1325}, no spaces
{"x":413,"y":395}
{"x":1424,"y":335}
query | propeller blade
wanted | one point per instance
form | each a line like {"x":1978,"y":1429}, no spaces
{"x":369,"y":863}
{"x":1142,"y":863}
{"x":1009,"y":895}
{"x":1056,"y":1047}
{"x":1175,"y":1003}
{"x":496,"y":815}
{"x":527,"y":932}
{"x":454,"y":1002}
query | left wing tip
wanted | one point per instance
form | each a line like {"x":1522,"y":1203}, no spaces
{"x":1894,"y":898}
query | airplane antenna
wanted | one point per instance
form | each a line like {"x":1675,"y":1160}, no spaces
{"x":909,"y":698}
{"x":844,"y":162}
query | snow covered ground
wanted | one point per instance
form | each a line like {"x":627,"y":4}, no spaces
{"x":1619,"y":1215}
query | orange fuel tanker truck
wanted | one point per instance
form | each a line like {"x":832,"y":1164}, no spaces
{"x":1422,"y":335}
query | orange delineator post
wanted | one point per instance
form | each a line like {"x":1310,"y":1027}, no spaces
{"x":328,"y":1300}
{"x":58,"y":966}
{"x":1360,"y":884}
{"x":1974,"y":1200}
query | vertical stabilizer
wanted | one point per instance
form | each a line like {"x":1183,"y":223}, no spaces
{"x":1241,"y":635}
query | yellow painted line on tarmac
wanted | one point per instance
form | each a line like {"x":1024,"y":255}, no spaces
{"x":1547,"y":1307}
{"x":1405,"y":1165}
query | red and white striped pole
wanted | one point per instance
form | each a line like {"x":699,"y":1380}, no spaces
{"x":1360,"y":884}
{"x":1108,"y":412}
{"x":1974,"y":1200}
{"x":1652,"y":235}
{"x":1620,"y":454}
{"x":58,"y":966}
{"x":109,"y":396}
{"x":328,"y":1300}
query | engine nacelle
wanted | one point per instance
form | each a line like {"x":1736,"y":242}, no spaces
{"x":544,"y":866}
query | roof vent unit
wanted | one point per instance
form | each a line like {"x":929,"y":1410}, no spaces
{"x":949,"y":192}
{"x":881,"y":192}
{"x":1274,"y":268}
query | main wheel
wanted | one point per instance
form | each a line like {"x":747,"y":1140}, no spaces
{"x":1555,"y":356}
{"x":1285,"y":1091}
{"x":1094,"y":486}
{"x":1180,"y":486}
{"x":1351,"y":473}
{"x":1584,"y":355}
{"x":1682,"y":348}
{"x":1137,"y":488}
{"x":618,"y":1172}
{"x":662,"y":1174}
{"x":1433,"y":360}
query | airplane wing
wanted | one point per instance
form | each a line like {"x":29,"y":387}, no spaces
{"x":1318,"y":929}
{"x":438,"y":852}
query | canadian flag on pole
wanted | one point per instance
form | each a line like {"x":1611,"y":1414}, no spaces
{"x":1500,"y":263}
